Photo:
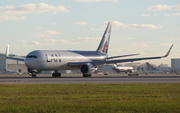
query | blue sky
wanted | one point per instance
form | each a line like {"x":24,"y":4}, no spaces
{"x":139,"y":26}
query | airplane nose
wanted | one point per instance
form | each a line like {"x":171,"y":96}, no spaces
{"x":29,"y":63}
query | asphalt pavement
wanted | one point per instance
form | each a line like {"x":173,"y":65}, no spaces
{"x":77,"y":78}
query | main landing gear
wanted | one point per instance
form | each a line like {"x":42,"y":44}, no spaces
{"x":56,"y":74}
{"x":87,"y":75}
{"x":33,"y":74}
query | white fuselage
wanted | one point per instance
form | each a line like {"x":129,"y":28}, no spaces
{"x":119,"y":69}
{"x":57,"y":60}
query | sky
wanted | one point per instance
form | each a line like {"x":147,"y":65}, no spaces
{"x":139,"y":26}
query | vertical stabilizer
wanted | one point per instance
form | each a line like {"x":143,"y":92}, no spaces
{"x":103,"y":46}
{"x":7,"y":51}
{"x":150,"y":67}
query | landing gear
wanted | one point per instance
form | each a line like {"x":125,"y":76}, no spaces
{"x":87,"y":75}
{"x":33,"y":72}
{"x":56,"y":74}
{"x":33,"y":75}
{"x":128,"y":71}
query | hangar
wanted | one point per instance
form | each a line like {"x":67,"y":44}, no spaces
{"x":12,"y":65}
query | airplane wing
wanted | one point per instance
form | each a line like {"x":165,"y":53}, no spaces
{"x":72,"y":64}
{"x":13,"y":58}
{"x":121,"y":56}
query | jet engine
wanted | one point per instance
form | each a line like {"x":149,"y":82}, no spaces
{"x":87,"y":68}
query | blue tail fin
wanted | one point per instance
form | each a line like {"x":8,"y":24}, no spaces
{"x":103,"y":46}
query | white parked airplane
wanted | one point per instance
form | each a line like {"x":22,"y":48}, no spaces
{"x":85,"y":61}
{"x":120,"y":68}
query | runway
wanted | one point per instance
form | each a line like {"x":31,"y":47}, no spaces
{"x":77,"y":78}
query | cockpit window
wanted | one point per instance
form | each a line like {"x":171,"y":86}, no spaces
{"x":31,"y":56}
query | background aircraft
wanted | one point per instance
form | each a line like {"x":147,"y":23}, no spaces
{"x":120,"y":68}
{"x":85,"y":61}
{"x":151,"y":69}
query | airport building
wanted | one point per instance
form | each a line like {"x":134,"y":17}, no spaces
{"x":175,"y":63}
{"x":12,"y":65}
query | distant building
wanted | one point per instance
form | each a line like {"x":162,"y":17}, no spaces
{"x":175,"y":63}
{"x":12,"y":65}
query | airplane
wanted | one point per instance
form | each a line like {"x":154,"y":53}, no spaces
{"x":85,"y":61}
{"x":151,"y":69}
{"x":161,"y":69}
{"x":120,"y":68}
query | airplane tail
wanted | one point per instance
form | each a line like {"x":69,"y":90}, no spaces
{"x":103,"y":46}
{"x":150,"y":67}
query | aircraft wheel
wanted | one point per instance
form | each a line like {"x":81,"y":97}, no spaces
{"x":59,"y":74}
{"x":33,"y":75}
{"x":87,"y":75}
{"x":56,"y":75}
{"x":84,"y":75}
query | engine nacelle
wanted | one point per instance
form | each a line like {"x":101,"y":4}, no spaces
{"x":87,"y":68}
{"x":33,"y":71}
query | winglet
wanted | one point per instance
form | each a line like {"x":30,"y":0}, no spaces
{"x":7,"y":51}
{"x":168,"y":51}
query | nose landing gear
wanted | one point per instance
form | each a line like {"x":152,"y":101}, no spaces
{"x":33,"y":72}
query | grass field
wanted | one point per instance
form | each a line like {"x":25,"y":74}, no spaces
{"x":86,"y":98}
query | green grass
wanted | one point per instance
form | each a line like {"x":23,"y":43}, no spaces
{"x":86,"y":98}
